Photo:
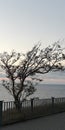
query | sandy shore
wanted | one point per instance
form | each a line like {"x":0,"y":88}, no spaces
{"x":53,"y":122}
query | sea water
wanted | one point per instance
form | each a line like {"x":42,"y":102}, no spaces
{"x":50,"y":90}
{"x":42,"y":91}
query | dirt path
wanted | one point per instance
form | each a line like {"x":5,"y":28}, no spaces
{"x":54,"y":122}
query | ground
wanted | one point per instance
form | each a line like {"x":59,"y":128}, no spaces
{"x":53,"y":122}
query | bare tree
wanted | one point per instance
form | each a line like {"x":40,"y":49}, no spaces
{"x":21,"y":71}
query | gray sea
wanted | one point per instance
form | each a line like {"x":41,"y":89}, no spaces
{"x":50,"y":90}
{"x":43,"y":91}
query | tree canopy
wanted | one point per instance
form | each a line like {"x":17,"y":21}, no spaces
{"x":21,"y":68}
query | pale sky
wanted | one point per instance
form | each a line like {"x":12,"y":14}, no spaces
{"x":25,"y":22}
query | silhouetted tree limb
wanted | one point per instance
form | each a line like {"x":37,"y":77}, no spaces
{"x":36,"y":61}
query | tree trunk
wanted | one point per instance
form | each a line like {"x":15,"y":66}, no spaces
{"x":18,"y":104}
